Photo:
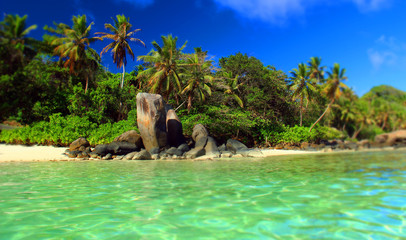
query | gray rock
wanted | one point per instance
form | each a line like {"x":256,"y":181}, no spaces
{"x":199,"y":131}
{"x":151,"y":120}
{"x":122,"y":148}
{"x":129,"y":156}
{"x":154,"y":151}
{"x":184,"y":148}
{"x":194,"y":153}
{"x":83,"y":154}
{"x":72,"y":154}
{"x":154,"y":156}
{"x":174,"y":129}
{"x":130,"y":137}
{"x":108,"y":156}
{"x":201,"y":143}
{"x":211,"y":148}
{"x":226,"y":154}
{"x":174,"y":151}
{"x":80,"y":142}
{"x":119,"y":157}
{"x":234,"y":146}
{"x":251,"y":152}
{"x":142,"y":155}
{"x":222,"y":148}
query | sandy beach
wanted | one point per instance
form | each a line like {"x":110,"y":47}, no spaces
{"x":12,"y":153}
{"x":20,"y":153}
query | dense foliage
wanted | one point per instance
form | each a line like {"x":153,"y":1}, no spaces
{"x":60,"y":90}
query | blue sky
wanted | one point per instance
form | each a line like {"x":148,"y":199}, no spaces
{"x":367,"y":37}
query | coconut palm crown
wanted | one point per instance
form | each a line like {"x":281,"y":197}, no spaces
{"x":121,"y":33}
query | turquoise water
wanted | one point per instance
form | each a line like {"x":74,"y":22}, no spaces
{"x":334,"y":196}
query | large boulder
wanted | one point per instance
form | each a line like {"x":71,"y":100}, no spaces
{"x":174,"y":129}
{"x":211,"y":148}
{"x":151,"y":120}
{"x":199,"y":149}
{"x":234,"y":146}
{"x":78,"y":143}
{"x":391,"y":138}
{"x":115,"y":148}
{"x":199,"y":131}
{"x":131,"y":137}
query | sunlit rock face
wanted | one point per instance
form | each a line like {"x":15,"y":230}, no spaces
{"x":151,"y":120}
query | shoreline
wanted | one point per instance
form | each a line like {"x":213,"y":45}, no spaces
{"x":21,"y":153}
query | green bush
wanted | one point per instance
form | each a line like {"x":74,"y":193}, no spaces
{"x":297,"y":134}
{"x":222,"y":123}
{"x":64,"y":130}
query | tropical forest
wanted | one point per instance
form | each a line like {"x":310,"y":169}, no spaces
{"x":56,"y":89}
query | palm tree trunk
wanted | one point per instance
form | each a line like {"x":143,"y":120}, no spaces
{"x":189,"y":103}
{"x":87,"y":84}
{"x":301,"y":111}
{"x":122,"y":79}
{"x":321,"y":115}
{"x":357,"y":132}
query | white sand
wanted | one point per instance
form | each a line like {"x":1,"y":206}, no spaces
{"x":31,"y":153}
{"x":12,"y":153}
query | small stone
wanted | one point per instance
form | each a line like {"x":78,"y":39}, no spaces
{"x":226,"y":154}
{"x":184,"y":148}
{"x":129,"y":156}
{"x":194,"y":153}
{"x":174,"y":151}
{"x":107,"y":157}
{"x":72,"y":154}
{"x":154,"y":151}
{"x":142,"y":155}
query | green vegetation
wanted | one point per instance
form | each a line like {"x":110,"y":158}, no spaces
{"x":58,"y":88}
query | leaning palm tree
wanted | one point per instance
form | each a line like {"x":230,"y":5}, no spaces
{"x":73,"y":46}
{"x":121,"y":34}
{"x":198,"y":75}
{"x":302,"y":86}
{"x":333,"y":88}
{"x":316,"y":71}
{"x":162,"y":75}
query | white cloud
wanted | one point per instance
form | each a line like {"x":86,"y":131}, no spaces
{"x":274,"y":11}
{"x":371,"y":5}
{"x":138,"y":3}
{"x":388,"y":51}
{"x":379,"y":58}
{"x":279,"y":11}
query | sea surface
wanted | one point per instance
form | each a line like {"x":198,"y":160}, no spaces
{"x":360,"y":195}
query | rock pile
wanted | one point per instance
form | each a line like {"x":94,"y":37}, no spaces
{"x":161,"y":137}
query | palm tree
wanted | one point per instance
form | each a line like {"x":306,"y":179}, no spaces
{"x":73,"y":48}
{"x":316,"y":71}
{"x":121,"y":34}
{"x":14,"y":40}
{"x":230,"y":86}
{"x":302,"y":86}
{"x":163,"y":71}
{"x":333,"y":88}
{"x":198,"y":75}
{"x":363,"y":116}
